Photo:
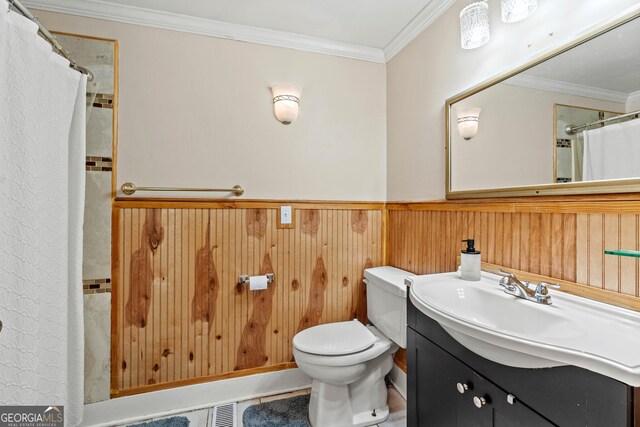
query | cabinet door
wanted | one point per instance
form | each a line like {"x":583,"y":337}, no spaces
{"x":499,"y":409}
{"x":434,"y":375}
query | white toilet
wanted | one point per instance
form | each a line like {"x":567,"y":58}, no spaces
{"x":348,"y":360}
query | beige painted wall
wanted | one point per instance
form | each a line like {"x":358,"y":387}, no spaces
{"x":515,"y":141}
{"x":434,"y":67}
{"x":197,"y":111}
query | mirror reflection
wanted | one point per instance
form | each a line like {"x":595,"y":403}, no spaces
{"x":570,"y":119}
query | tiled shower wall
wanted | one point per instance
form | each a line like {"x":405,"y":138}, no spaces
{"x":99,"y":57}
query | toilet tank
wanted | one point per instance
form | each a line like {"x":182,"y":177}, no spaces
{"x":386,"y":302}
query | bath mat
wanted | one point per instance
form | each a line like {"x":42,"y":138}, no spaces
{"x":165,"y":422}
{"x":292,"y":412}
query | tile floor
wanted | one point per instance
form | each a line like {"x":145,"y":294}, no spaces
{"x":397,"y":406}
{"x":398,"y":409}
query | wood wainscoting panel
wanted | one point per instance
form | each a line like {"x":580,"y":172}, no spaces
{"x":600,"y":232}
{"x":567,"y":244}
{"x":179,"y":315}
{"x":426,"y":242}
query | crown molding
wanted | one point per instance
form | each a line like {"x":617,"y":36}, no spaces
{"x":151,"y":18}
{"x":634,"y":98}
{"x":421,"y":22}
{"x":568,"y":88}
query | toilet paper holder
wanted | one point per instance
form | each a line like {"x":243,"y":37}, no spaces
{"x":244,"y":279}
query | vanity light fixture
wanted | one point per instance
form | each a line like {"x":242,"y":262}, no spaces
{"x":474,"y":25}
{"x":286,"y":102}
{"x":517,"y":10}
{"x":468,"y":121}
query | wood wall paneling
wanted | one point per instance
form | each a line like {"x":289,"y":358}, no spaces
{"x":427,"y":242}
{"x":179,"y":315}
{"x":567,"y":244}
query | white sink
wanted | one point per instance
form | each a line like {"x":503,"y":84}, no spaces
{"x":515,"y":332}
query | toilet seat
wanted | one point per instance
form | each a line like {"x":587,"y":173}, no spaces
{"x":335,"y":339}
{"x":379,"y":346}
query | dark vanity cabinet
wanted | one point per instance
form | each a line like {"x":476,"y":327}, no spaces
{"x":449,"y":385}
{"x":449,"y":393}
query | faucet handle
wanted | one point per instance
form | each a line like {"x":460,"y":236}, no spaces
{"x":542,"y":288}
{"x":503,"y":273}
{"x":507,"y":280}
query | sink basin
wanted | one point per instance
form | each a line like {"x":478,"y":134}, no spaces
{"x":515,"y":332}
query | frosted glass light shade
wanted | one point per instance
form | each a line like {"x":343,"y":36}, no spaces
{"x":474,"y":25}
{"x":517,"y":10}
{"x":286,"y":102}
{"x":468,"y":122}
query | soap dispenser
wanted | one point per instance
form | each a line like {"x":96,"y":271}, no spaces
{"x":470,"y":262}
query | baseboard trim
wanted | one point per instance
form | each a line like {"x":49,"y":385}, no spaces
{"x":399,"y":380}
{"x":161,"y":403}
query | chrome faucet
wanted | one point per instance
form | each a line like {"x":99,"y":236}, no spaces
{"x":536,"y":293}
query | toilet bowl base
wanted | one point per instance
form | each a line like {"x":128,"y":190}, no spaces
{"x":367,"y":419}
{"x":330,"y":406}
{"x":358,"y":404}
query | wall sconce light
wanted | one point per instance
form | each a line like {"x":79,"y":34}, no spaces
{"x":468,"y":121}
{"x":286,"y":102}
{"x":474,"y":25}
{"x":517,"y":10}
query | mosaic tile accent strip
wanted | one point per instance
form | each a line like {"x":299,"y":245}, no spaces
{"x":563,"y":143}
{"x":96,"y":286}
{"x":101,"y":100}
{"x":99,"y":164}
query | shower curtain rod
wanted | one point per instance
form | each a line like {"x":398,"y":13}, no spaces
{"x":572,"y":129}
{"x":50,"y":38}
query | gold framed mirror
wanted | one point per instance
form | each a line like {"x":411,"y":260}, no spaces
{"x":511,"y":137}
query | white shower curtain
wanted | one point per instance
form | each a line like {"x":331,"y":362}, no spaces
{"x":612,"y":152}
{"x":577,"y":158}
{"x":42,"y":155}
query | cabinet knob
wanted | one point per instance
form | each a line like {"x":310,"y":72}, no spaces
{"x":462,"y":387}
{"x":479,"y":401}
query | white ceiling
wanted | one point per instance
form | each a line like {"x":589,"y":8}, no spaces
{"x":362,"y":22}
{"x":373,"y":30}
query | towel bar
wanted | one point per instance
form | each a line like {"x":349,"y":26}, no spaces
{"x":130,"y":188}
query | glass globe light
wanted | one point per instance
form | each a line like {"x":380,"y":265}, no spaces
{"x":474,"y":25}
{"x":517,"y":10}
